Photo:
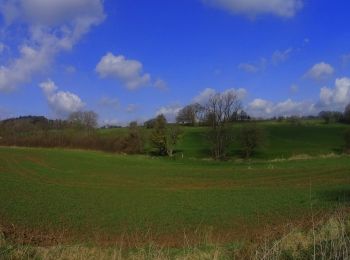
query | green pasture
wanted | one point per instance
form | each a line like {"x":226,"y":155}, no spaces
{"x":91,"y":192}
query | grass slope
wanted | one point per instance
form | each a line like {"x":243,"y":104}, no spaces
{"x":93,"y":192}
{"x":283,"y":140}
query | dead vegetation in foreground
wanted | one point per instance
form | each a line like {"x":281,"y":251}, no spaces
{"x":327,"y":238}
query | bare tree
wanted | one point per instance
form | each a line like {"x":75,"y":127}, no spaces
{"x":220,"y":109}
{"x":190,"y":114}
{"x":85,"y":119}
{"x":347,"y":114}
{"x":172,"y":137}
{"x":331,"y":116}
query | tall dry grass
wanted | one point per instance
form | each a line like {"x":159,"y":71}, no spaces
{"x":327,"y":239}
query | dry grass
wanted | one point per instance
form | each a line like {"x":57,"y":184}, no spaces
{"x":303,"y":157}
{"x":326,"y":239}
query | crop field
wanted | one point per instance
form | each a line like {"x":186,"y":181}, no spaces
{"x":98,"y":194}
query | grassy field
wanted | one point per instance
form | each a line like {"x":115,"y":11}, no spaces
{"x":83,"y":203}
{"x":92,"y":194}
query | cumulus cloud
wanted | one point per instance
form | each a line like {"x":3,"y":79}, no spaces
{"x":260,"y":107}
{"x":169,"y":112}
{"x":129,"y":72}
{"x":252,"y":8}
{"x":62,"y":103}
{"x":51,"y":27}
{"x":264,"y":108}
{"x":204,"y":96}
{"x":320,"y":71}
{"x":21,"y":69}
{"x":336,"y":98}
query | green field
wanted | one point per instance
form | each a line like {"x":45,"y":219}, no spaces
{"x":98,"y":193}
{"x":282,"y":140}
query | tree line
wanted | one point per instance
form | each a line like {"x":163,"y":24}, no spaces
{"x":217,"y":116}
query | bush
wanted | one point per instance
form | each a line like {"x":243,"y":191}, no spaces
{"x":295,"y":121}
{"x":251,"y":138}
{"x":347,"y":114}
{"x":347,"y":141}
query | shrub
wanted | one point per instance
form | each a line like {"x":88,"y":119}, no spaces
{"x":347,"y":114}
{"x":251,"y":138}
{"x":347,"y":141}
{"x":134,"y":142}
{"x":164,"y":137}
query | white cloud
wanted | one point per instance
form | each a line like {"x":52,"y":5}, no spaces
{"x":21,"y":69}
{"x":240,"y":93}
{"x":114,"y":122}
{"x":252,"y":8}
{"x":336,"y":98}
{"x":131,"y":108}
{"x":161,"y":84}
{"x":320,"y":71}
{"x":62,"y":103}
{"x":260,"y":65}
{"x":264,"y":108}
{"x":204,"y":96}
{"x":169,"y":112}
{"x":281,"y":56}
{"x":51,"y":27}
{"x":249,"y":68}
{"x":260,"y":107}
{"x":289,"y":107}
{"x":130,"y":72}
{"x":56,"y":12}
{"x":330,"y":99}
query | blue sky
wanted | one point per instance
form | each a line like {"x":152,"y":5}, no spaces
{"x":130,"y":60}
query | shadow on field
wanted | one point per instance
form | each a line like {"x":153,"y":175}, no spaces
{"x":340,"y":196}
